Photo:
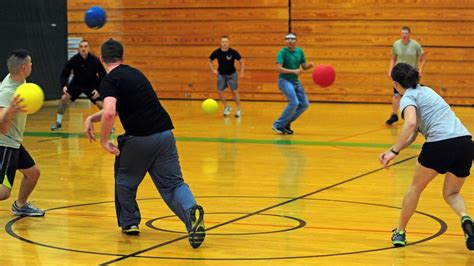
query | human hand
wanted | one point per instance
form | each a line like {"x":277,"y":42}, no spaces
{"x":65,"y":91}
{"x":89,"y":129}
{"x":16,"y":106}
{"x":95,"y":94}
{"x":110,"y":147}
{"x":386,"y":157}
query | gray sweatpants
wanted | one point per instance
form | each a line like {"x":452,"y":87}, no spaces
{"x":157,"y":155}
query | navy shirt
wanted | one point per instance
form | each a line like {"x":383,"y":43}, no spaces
{"x":87,"y":72}
{"x":226,"y":60}
{"x":138,"y":107}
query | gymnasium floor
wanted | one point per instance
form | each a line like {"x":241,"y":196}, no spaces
{"x":319,"y":197}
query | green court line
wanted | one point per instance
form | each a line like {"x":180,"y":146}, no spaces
{"x":240,"y":141}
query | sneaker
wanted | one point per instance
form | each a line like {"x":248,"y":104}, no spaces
{"x":227,"y":110}
{"x":398,"y":238}
{"x":288,"y":130}
{"x":27,"y":210}
{"x":393,"y":118}
{"x":131,"y":230}
{"x":56,"y":126}
{"x":278,"y":130}
{"x":467,"y":227}
{"x":237,"y":113}
{"x":198,"y":232}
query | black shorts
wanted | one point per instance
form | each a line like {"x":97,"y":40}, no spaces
{"x":452,"y":155}
{"x":12,"y":159}
{"x":76,"y":90}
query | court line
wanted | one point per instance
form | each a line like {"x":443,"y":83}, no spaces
{"x":134,"y":254}
{"x":333,"y":143}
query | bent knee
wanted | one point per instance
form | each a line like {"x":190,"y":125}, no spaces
{"x":4,"y":192}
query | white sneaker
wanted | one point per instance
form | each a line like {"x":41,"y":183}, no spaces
{"x":227,"y":110}
{"x":237,"y":113}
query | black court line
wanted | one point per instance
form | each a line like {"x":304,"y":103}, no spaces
{"x":254,"y":213}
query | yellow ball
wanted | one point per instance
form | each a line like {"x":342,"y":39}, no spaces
{"x":32,"y":95}
{"x":209,"y":106}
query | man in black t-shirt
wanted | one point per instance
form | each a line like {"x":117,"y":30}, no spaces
{"x":87,"y":73}
{"x":148,"y":145}
{"x":226,"y":73}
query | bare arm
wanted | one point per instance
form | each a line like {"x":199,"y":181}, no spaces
{"x":422,"y":62}
{"x":211,"y":66}
{"x":393,"y":59}
{"x":107,"y":122}
{"x":242,"y":67}
{"x":406,"y":137}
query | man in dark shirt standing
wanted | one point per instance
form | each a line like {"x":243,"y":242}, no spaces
{"x":148,"y":145}
{"x":226,"y":73}
{"x":87,"y":74}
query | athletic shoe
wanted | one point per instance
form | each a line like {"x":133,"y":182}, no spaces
{"x":131,"y":230}
{"x":198,"y":232}
{"x":27,"y":210}
{"x":467,"y":227}
{"x":278,"y":130}
{"x":227,"y":110}
{"x":237,"y":113}
{"x":56,"y":126}
{"x":288,"y":130}
{"x":398,"y":238}
{"x":393,"y":118}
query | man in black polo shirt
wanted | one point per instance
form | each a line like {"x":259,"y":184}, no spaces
{"x":87,"y":74}
{"x":226,"y":73}
{"x":148,"y":145}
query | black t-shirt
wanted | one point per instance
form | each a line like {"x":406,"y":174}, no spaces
{"x":87,"y":72}
{"x":226,"y":60}
{"x":138,"y":107}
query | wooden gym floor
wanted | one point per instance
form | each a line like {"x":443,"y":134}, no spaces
{"x":318,"y":197}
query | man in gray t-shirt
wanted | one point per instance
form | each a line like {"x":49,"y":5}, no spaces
{"x":13,"y":156}
{"x":448,"y":149}
{"x":404,"y":50}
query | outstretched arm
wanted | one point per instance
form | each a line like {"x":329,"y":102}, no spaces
{"x":406,"y":137}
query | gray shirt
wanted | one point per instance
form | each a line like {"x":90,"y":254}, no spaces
{"x":434,"y":117}
{"x":14,"y":136}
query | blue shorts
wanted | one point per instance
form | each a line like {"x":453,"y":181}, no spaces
{"x":224,"y":81}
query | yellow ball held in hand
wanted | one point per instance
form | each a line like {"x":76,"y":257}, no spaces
{"x":32,"y":95}
{"x":209,"y":106}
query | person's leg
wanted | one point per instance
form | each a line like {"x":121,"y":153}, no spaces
{"x":233,"y":85}
{"x":8,"y":165}
{"x":4,"y":192}
{"x":421,"y":179}
{"x":395,"y":106}
{"x":31,"y":174}
{"x":130,"y":169}
{"x":288,"y":90}
{"x":452,"y":187}
{"x":63,"y":103}
{"x":166,"y":174}
{"x":221,"y":85}
{"x":303,"y":102}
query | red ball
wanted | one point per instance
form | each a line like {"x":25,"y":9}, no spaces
{"x":324,"y":75}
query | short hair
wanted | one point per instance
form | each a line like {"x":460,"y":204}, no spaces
{"x":406,"y":75}
{"x":112,"y":51}
{"x":16,"y":59}
{"x":83,"y":40}
{"x":406,"y":28}
{"x":225,"y":36}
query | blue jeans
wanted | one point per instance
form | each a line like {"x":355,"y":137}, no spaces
{"x":297,"y":102}
{"x":157,"y":155}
